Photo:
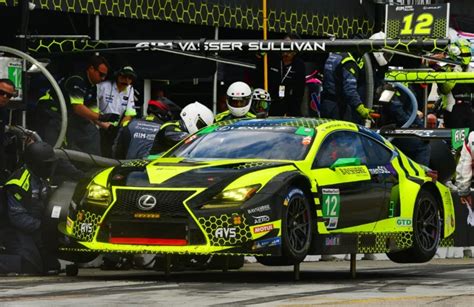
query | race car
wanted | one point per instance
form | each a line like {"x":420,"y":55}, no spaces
{"x":278,"y":189}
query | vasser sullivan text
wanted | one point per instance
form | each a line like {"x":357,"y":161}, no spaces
{"x":234,"y":46}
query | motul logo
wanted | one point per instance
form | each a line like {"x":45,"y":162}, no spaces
{"x":265,"y":228}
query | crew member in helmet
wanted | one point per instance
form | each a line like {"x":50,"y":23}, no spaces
{"x":136,"y":137}
{"x":239,"y":100}
{"x":27,"y":192}
{"x":261,"y":102}
{"x":457,"y":98}
{"x":194,"y":116}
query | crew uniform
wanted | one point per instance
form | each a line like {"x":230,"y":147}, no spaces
{"x":340,"y":97}
{"x":27,"y":192}
{"x":112,"y":101}
{"x":169,"y":135}
{"x":227,"y":115}
{"x":136,"y":138}
{"x":464,"y":167}
{"x":82,"y":134}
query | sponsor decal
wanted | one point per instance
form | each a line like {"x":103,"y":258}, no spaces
{"x":225,"y":233}
{"x":379,"y":170}
{"x":266,"y":243}
{"x":404,"y":222}
{"x":255,"y":45}
{"x":306,"y":140}
{"x":332,"y":223}
{"x":332,"y":241}
{"x":259,"y":209}
{"x":236,"y":219}
{"x":80,"y":215}
{"x":261,"y":219}
{"x":355,"y":170}
{"x":86,"y":227}
{"x":146,"y":202}
{"x":262,"y":228}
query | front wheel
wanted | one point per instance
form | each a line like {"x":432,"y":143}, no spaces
{"x":426,"y":231}
{"x":296,"y":232}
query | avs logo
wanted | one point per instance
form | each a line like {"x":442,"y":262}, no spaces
{"x":226,"y":233}
{"x":86,"y":227}
{"x":146,"y":202}
{"x":261,"y":219}
{"x":403,"y":222}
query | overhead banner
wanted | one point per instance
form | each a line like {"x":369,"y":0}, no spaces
{"x":411,"y":21}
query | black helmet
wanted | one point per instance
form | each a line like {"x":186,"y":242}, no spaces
{"x":160,"y":110}
{"x":39,"y":158}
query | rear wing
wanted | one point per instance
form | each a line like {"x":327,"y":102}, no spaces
{"x":455,"y":136}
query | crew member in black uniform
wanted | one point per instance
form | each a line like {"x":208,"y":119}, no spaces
{"x":27,"y":192}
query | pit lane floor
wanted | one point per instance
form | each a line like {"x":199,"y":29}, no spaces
{"x":441,"y":282}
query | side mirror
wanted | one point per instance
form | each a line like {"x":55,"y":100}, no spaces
{"x":341,"y":162}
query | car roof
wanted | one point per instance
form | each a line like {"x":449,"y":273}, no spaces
{"x":276,"y":121}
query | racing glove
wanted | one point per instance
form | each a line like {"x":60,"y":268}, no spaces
{"x":364,"y":112}
{"x":109,"y":117}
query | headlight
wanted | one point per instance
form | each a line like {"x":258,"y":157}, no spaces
{"x":232,"y":198}
{"x":98,"y":194}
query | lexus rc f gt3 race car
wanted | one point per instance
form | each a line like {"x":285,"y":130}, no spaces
{"x":278,"y":189}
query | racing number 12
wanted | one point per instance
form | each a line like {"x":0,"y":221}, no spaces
{"x":331,"y":203}
{"x":422,"y":25}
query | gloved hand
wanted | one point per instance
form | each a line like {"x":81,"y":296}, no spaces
{"x":109,"y":117}
{"x":363,"y":111}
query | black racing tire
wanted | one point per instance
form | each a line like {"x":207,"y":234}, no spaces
{"x":296,"y":230}
{"x":427,"y":229}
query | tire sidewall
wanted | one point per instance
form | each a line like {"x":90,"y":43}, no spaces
{"x":417,"y":247}
{"x":287,"y":251}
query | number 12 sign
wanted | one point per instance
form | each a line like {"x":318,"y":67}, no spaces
{"x":405,"y":21}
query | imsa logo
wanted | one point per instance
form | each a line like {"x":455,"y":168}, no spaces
{"x":226,"y":233}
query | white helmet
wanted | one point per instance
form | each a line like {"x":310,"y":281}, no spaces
{"x":260,"y":102}
{"x":196,"y":116}
{"x":239,"y":97}
{"x":382,"y":58}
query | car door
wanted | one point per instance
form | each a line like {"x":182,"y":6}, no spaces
{"x":350,"y":196}
{"x":380,"y":167}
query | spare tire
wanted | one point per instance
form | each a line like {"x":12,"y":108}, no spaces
{"x":442,"y":160}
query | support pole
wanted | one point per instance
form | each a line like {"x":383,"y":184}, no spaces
{"x":167,"y":265}
{"x":296,"y":271}
{"x":265,"y":57}
{"x":353,"y":265}
{"x":214,"y":81}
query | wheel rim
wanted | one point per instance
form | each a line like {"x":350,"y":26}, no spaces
{"x":427,"y":225}
{"x":298,"y":224}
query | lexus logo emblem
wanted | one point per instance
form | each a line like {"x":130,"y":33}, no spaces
{"x":146,"y":202}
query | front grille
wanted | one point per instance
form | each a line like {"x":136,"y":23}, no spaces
{"x":173,"y":222}
{"x":169,"y":203}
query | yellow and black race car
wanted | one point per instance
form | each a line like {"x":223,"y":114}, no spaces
{"x":278,"y":189}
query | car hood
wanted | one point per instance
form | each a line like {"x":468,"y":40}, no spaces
{"x":179,"y":172}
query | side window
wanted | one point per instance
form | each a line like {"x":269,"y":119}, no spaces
{"x":377,"y":154}
{"x":340,"y":144}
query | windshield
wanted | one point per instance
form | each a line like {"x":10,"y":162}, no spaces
{"x":247,"y":142}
